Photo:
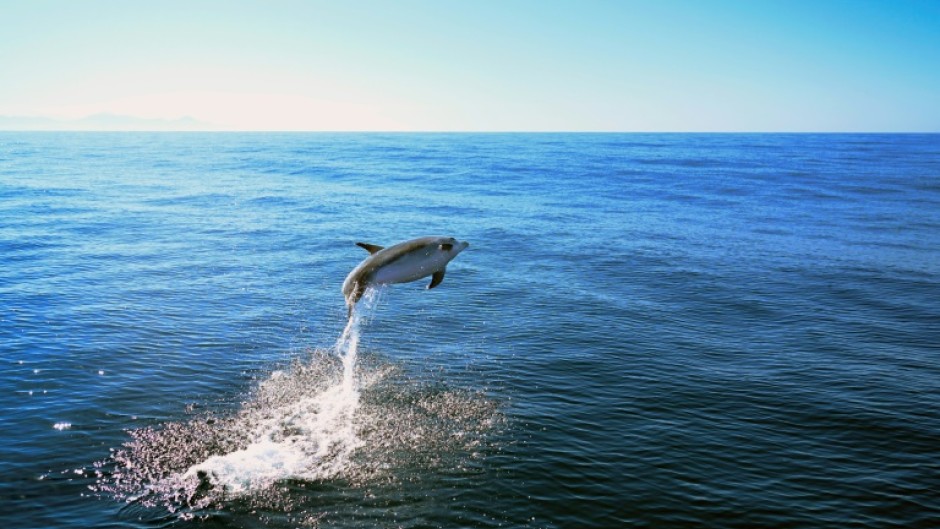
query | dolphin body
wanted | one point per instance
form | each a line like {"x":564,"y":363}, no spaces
{"x":402,"y":263}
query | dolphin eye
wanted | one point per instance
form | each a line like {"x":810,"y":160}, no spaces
{"x":447,"y":247}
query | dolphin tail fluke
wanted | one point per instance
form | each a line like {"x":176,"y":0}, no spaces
{"x":354,"y":297}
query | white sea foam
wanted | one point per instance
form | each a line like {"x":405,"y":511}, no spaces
{"x":331,"y":415}
{"x":311,"y":437}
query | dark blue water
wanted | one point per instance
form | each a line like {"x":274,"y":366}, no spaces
{"x":647,"y":331}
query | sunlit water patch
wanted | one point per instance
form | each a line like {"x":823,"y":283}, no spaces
{"x":328,"y":417}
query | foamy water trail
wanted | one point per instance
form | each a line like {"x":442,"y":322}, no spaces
{"x":311,"y":437}
{"x":348,"y":347}
{"x":321,"y":418}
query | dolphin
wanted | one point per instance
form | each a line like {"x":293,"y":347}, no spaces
{"x":402,"y":263}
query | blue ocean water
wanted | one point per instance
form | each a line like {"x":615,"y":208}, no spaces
{"x":648,"y":330}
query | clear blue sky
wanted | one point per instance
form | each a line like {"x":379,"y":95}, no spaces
{"x":656,"y":65}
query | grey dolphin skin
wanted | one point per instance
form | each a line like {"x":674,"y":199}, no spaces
{"x":402,"y":263}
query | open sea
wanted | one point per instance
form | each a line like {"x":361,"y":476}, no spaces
{"x":647,"y":330}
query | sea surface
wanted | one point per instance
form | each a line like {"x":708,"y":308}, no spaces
{"x":647,"y":330}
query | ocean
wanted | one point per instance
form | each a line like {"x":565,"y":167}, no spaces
{"x":647,"y":330}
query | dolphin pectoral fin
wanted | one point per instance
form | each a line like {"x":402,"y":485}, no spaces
{"x":371,"y":248}
{"x":437,"y":278}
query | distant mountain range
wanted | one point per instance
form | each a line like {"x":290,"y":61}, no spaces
{"x":104,"y":122}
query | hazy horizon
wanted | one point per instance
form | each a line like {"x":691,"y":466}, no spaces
{"x":672,"y":66}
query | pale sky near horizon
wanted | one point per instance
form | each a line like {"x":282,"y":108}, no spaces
{"x":486,"y":65}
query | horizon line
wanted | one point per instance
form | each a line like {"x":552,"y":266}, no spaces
{"x":468,"y":131}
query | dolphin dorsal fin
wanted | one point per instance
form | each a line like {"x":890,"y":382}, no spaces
{"x":371,"y":248}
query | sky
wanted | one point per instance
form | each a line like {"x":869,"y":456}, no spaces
{"x":478,"y":65}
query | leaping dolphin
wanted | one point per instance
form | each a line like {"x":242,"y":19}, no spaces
{"x":402,"y":263}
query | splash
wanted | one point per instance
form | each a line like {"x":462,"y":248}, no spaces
{"x":309,"y":438}
{"x":333,"y":416}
